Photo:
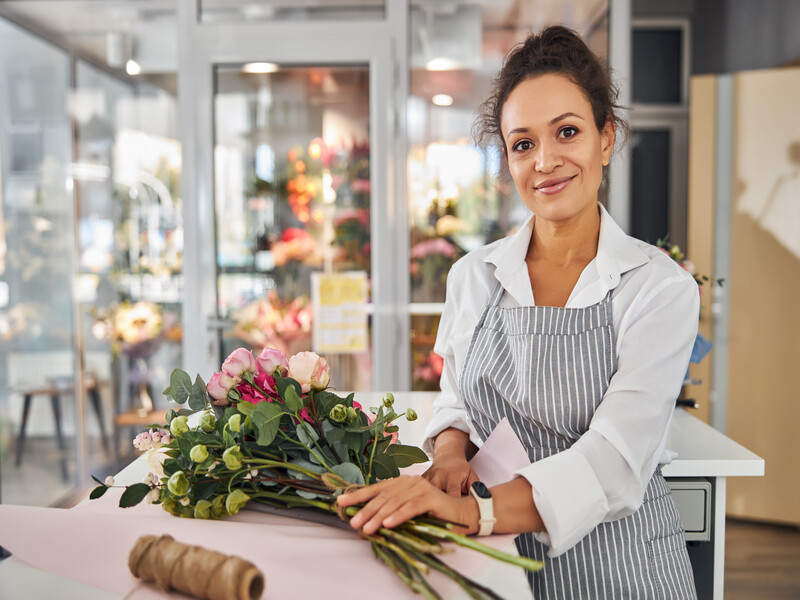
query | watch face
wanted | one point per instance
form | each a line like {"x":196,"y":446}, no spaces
{"x":481,"y":490}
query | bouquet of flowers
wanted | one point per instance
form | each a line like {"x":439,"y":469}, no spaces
{"x":136,"y":330}
{"x":675,"y":253}
{"x":431,"y":260}
{"x":267,"y":429}
{"x":272,"y":322}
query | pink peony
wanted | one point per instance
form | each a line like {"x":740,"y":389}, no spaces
{"x":272,"y":359}
{"x":254,"y":395}
{"x":309,"y":370}
{"x":239,"y":361}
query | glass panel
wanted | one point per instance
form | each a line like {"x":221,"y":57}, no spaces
{"x":36,"y":247}
{"x":657,"y":65}
{"x":131,"y":241}
{"x":460,"y":195}
{"x":650,"y":187}
{"x":290,"y":10}
{"x":292,"y":170}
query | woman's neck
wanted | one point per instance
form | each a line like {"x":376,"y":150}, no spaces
{"x":564,"y":243}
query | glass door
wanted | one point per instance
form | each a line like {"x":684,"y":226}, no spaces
{"x":292,"y":197}
{"x":294,"y":132}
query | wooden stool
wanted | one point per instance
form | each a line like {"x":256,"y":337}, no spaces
{"x":92,"y":387}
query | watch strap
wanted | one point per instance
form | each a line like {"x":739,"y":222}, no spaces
{"x":486,"y":519}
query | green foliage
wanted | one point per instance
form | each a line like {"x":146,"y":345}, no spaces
{"x":133,"y":494}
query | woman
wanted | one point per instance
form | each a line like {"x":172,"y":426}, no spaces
{"x":577,"y":334}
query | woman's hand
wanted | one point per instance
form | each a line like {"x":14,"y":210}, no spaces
{"x":395,"y":501}
{"x":452,"y":474}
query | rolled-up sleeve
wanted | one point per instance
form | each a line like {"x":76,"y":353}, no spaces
{"x":603,"y":476}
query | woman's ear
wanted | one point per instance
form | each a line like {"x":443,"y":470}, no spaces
{"x":607,"y":136}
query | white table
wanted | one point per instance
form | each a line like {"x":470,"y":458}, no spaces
{"x":702,"y":451}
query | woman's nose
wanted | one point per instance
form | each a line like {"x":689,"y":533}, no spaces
{"x":547,"y":158}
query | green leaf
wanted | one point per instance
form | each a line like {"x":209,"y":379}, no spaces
{"x":355,"y":441}
{"x":180,"y":385}
{"x":283,"y":383}
{"x":185,"y":446}
{"x":171,"y":414}
{"x":405,"y":456}
{"x":167,"y":392}
{"x":324,"y":402}
{"x":384,"y":466}
{"x":209,"y":439}
{"x":205,"y":489}
{"x":98,"y":491}
{"x":198,"y":396}
{"x":266,"y":417}
{"x":245,"y":407}
{"x":133,"y":494}
{"x":170,"y":467}
{"x":335,"y":435}
{"x":293,"y":401}
{"x":306,"y":434}
{"x":349,"y":472}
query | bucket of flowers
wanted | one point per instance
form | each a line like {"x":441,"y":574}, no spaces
{"x":267,"y":429}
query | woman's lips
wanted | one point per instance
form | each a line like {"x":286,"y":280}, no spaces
{"x":553,"y":186}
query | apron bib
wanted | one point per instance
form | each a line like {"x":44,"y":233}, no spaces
{"x":546,"y":370}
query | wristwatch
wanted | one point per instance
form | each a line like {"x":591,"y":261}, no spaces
{"x":483,"y":496}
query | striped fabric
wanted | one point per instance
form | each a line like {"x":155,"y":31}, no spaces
{"x":546,"y":370}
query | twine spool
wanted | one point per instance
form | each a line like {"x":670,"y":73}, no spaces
{"x":194,"y":570}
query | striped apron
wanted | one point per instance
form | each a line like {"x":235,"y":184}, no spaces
{"x":546,"y":369}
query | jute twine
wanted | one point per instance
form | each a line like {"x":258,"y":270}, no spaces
{"x":334,"y":482}
{"x":194,"y":570}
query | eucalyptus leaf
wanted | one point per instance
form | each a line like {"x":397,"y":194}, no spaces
{"x":171,"y":414}
{"x":293,"y":401}
{"x":167,"y":392}
{"x":180,"y":385}
{"x":405,"y":456}
{"x":266,"y":417}
{"x":98,"y":491}
{"x":133,"y":494}
{"x":349,"y":472}
{"x":306,"y":434}
{"x":198,"y":396}
{"x":335,"y":435}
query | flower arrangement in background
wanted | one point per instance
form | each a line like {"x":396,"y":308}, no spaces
{"x":304,"y":181}
{"x":431,"y":260}
{"x":352,"y":236}
{"x":267,"y":430}
{"x":295,"y":244}
{"x":135,"y":329}
{"x":428,"y":372}
{"x":272,"y":321}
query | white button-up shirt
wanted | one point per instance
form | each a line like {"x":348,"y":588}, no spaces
{"x":655,"y":306}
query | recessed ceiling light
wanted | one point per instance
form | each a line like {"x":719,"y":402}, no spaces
{"x":260,"y":67}
{"x":442,"y":100}
{"x":133,"y":68}
{"x":442,"y":64}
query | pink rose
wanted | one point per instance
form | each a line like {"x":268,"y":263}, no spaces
{"x":253,"y":394}
{"x":218,"y":387}
{"x":272,"y":359}
{"x":309,"y":370}
{"x":239,"y":361}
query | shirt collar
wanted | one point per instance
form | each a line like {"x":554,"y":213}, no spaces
{"x":617,"y":253}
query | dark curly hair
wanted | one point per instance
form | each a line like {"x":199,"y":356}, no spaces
{"x":553,"y":50}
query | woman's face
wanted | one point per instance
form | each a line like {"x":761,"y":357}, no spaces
{"x":555,"y":153}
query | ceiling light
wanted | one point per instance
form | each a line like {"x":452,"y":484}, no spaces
{"x":260,"y":67}
{"x":133,"y":68}
{"x":442,"y":64}
{"x":442,"y":100}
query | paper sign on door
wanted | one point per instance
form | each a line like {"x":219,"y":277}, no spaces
{"x":340,"y":312}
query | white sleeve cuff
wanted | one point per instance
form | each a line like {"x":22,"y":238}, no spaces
{"x":444,"y":418}
{"x":569,"y":498}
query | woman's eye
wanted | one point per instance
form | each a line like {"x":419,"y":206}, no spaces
{"x":567,"y":132}
{"x":522,"y":145}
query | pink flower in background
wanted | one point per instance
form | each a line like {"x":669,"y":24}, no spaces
{"x":271,"y":359}
{"x":306,"y":416}
{"x":433,"y":246}
{"x":309,"y":370}
{"x":239,"y":361}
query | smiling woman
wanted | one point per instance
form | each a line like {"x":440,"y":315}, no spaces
{"x":574,"y":332}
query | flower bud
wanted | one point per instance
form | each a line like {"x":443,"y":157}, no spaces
{"x":208,"y":422}
{"x":411,"y":415}
{"x":178,"y":484}
{"x":202,"y":510}
{"x":233,"y":458}
{"x":352,"y":414}
{"x":109,"y":481}
{"x":235,"y":422}
{"x":179,"y":426}
{"x":199,"y":453}
{"x":388,"y":399}
{"x":170,"y":505}
{"x":218,"y":507}
{"x":236,"y":501}
{"x":338,"y":413}
{"x":184,"y":501}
